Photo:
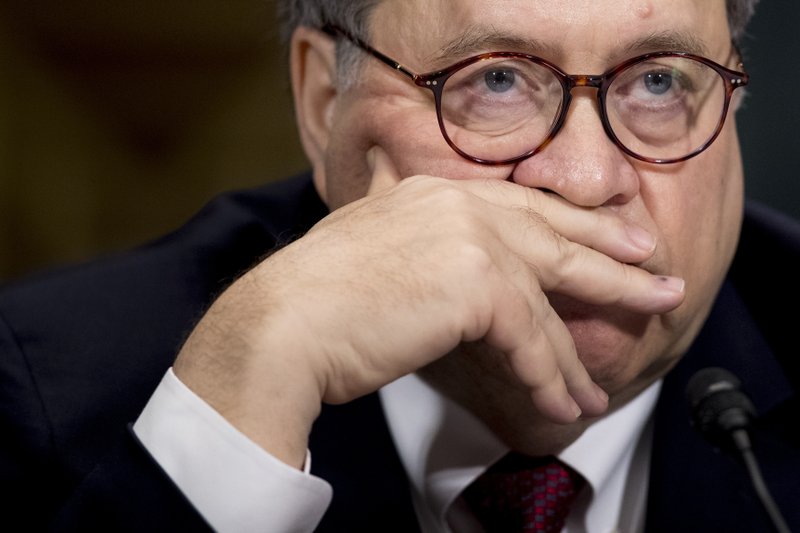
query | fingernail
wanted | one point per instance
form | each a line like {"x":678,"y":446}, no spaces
{"x":576,"y":410}
{"x":671,"y":283}
{"x":371,"y":158}
{"x":641,"y":238}
{"x":601,"y":394}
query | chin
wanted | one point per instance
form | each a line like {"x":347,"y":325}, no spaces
{"x":620,"y":349}
{"x":624,"y":353}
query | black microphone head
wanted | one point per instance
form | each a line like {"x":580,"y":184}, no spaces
{"x":718,"y":406}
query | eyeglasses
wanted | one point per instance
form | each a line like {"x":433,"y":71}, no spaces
{"x":499,"y":108}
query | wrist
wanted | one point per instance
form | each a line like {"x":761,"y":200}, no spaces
{"x":245,"y":361}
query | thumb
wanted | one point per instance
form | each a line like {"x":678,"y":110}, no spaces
{"x":384,"y":173}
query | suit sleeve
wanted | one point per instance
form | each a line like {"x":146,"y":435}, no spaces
{"x":127,"y":491}
{"x":45,"y":487}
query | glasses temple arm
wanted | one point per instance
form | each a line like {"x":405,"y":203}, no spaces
{"x":336,"y":31}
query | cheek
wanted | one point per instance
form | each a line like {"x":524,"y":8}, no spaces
{"x":700,"y":223}
{"x":713,"y":217}
{"x":406,"y":129}
{"x":411,"y":136}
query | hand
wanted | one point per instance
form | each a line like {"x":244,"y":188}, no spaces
{"x":392,"y":282}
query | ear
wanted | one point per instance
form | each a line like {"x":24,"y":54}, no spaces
{"x":313,"y":68}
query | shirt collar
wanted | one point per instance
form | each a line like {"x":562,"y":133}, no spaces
{"x":444,"y":448}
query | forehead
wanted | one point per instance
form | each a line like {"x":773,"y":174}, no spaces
{"x":596,"y":31}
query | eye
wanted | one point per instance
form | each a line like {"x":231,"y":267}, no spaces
{"x":657,"y":83}
{"x":499,"y":81}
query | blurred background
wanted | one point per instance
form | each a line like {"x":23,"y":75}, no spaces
{"x":119,"y":120}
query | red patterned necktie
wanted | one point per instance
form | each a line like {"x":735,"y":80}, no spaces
{"x":520,"y":493}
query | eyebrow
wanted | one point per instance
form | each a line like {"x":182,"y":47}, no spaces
{"x":675,"y":41}
{"x":478,"y":38}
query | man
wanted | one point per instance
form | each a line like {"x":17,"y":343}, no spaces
{"x":540,"y":270}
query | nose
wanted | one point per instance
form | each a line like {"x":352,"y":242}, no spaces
{"x":581,"y":163}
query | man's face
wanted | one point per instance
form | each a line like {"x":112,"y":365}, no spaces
{"x":692,"y":208}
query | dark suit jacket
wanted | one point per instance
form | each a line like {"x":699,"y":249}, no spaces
{"x":81,"y":351}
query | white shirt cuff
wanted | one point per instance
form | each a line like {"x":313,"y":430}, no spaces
{"x":232,"y":482}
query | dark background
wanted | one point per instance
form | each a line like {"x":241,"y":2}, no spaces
{"x":118,"y":120}
{"x":769,"y":122}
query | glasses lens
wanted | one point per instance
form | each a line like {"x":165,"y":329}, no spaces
{"x":500,"y":108}
{"x":666,"y":107}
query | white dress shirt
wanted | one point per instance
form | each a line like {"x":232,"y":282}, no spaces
{"x":232,"y":482}
{"x":239,"y":487}
{"x":444,"y":448}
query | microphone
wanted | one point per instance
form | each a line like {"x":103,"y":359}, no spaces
{"x":722,"y":413}
{"x":720,"y":410}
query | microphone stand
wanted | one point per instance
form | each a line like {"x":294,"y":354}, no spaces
{"x":722,"y":413}
{"x":742,"y":442}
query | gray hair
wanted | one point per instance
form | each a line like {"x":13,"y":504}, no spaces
{"x":353,"y":16}
{"x":739,"y":14}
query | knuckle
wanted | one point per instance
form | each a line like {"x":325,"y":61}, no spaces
{"x":533,"y":219}
{"x":473,"y":260}
{"x":629,"y":279}
{"x":569,"y":257}
{"x":449,"y":195}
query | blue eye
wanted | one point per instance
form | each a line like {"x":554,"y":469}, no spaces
{"x":499,"y":81}
{"x":657,"y":83}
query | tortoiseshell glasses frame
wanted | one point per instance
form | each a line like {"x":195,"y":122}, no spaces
{"x":435,"y":82}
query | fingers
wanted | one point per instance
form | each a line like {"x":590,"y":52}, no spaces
{"x":597,"y":228}
{"x":595,"y":278}
{"x":588,"y":275}
{"x":384,"y":173}
{"x":542,"y":355}
{"x":557,"y":239}
{"x":539,"y":243}
{"x":538,"y":344}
